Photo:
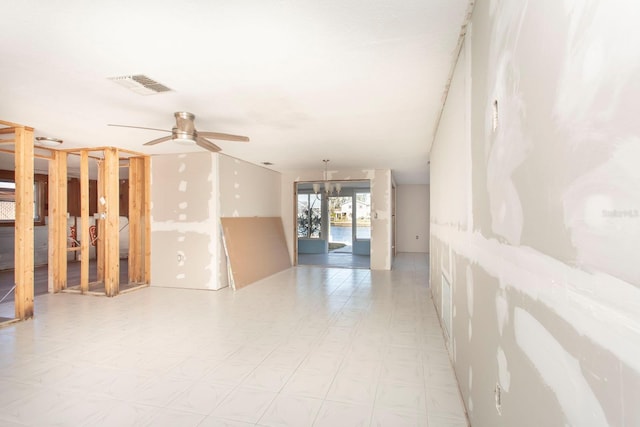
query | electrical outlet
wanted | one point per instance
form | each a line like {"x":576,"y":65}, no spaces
{"x":498,"y":397}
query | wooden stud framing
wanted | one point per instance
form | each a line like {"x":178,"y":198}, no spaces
{"x":85,"y":236}
{"x":24,"y":223}
{"x":107,"y":249}
{"x":147,"y":219}
{"x":111,"y":194}
{"x":58,"y":222}
{"x":62,"y":220}
{"x":136,"y":200}
{"x":53,"y":229}
{"x":100,"y":224}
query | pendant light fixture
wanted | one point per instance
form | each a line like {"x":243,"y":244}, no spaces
{"x":329,"y":186}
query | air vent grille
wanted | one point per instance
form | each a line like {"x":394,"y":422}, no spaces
{"x":140,"y":84}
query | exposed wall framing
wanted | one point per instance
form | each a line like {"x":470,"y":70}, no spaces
{"x":58,"y":222}
{"x":23,"y":273}
{"x":110,"y":160}
{"x":109,"y":186}
{"x":85,"y":235}
{"x":136,"y":219}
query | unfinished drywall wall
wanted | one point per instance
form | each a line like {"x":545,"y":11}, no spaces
{"x":380,"y":179}
{"x":247,"y":190}
{"x":539,"y":236}
{"x":381,"y":221}
{"x":412,"y":218}
{"x":185,"y":231}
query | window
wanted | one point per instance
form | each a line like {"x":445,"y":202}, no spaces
{"x":8,"y":198}
{"x":309,"y":215}
{"x":363,"y":215}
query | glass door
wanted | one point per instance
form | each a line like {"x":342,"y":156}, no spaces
{"x":340,"y":224}
{"x":362,"y":223}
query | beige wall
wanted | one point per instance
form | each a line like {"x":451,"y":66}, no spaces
{"x":539,"y":236}
{"x":412,"y":218}
{"x":380,"y":179}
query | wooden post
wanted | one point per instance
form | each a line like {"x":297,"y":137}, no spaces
{"x":111,"y":208}
{"x":147,"y":219}
{"x":63,"y":241}
{"x":23,"y":273}
{"x":53,"y":225}
{"x":136,"y":182}
{"x":58,"y":222}
{"x":85,"y":236}
{"x":100,"y":223}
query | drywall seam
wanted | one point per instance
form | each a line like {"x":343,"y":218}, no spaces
{"x":184,"y":227}
{"x":559,"y":370}
{"x":600,"y":307}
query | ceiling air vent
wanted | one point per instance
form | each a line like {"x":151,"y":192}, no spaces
{"x":140,"y":84}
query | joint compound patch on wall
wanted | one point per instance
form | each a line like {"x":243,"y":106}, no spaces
{"x":506,"y":146}
{"x":447,"y":314}
{"x":597,"y":305}
{"x":559,"y":370}
{"x":469,"y":275}
{"x":602,"y":211}
{"x":503,"y":370}
{"x":502,"y":310}
{"x":183,"y":226}
{"x":596,"y":108}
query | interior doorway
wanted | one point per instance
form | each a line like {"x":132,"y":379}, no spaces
{"x":333,"y":223}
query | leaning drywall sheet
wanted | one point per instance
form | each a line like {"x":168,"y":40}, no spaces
{"x":256,"y":248}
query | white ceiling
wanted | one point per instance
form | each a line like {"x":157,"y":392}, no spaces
{"x":359,"y":82}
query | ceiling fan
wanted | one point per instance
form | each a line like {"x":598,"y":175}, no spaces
{"x":184,"y":132}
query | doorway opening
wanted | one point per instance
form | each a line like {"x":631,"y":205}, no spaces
{"x":334,"y":227}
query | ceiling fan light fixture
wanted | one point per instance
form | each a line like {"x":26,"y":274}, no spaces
{"x":183,"y":138}
{"x":184,"y":141}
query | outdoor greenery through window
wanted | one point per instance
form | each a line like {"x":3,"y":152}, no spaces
{"x":309,"y":215}
{"x":363,"y":215}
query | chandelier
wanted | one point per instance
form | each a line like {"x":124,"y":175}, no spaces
{"x":329,"y":187}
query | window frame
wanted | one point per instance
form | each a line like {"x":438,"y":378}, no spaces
{"x":40,"y":183}
{"x":355,"y":212}
{"x":310,"y":229}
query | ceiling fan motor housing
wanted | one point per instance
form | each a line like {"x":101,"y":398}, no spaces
{"x":184,"y":123}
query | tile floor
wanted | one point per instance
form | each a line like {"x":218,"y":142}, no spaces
{"x":310,"y":346}
{"x":335,"y":259}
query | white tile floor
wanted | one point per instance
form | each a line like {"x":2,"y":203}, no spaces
{"x":310,"y":346}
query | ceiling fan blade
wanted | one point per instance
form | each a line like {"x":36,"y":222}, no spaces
{"x":224,"y":136}
{"x":159,"y":140}
{"x":138,"y":127}
{"x":207,"y":145}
